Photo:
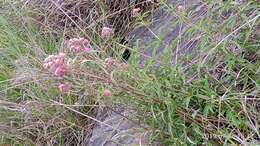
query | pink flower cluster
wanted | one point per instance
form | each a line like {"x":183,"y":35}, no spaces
{"x":79,"y":45}
{"x":136,"y":12}
{"x":106,"y":32}
{"x":180,"y":8}
{"x":55,"y":64}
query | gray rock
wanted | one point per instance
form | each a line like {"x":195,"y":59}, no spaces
{"x":164,"y":29}
{"x":120,"y":131}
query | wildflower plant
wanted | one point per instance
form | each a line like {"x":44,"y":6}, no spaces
{"x":53,"y":96}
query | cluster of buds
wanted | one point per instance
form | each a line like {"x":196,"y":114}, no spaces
{"x":79,"y":45}
{"x":106,"y":32}
{"x":55,"y":64}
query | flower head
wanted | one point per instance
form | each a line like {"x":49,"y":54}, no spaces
{"x":180,"y":8}
{"x":106,"y":93}
{"x":106,"y":32}
{"x":55,"y":64}
{"x":136,"y":12}
{"x":79,"y":45}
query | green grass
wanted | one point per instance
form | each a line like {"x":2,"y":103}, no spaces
{"x":213,"y":101}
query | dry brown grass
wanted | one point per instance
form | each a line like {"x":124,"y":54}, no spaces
{"x":86,"y":16}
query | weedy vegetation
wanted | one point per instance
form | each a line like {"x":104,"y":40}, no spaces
{"x":211,"y":97}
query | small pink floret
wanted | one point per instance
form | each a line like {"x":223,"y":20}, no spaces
{"x":136,"y":12}
{"x":180,"y":8}
{"x":106,"y":32}
{"x":60,"y":71}
{"x":106,"y":93}
{"x":64,"y":88}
